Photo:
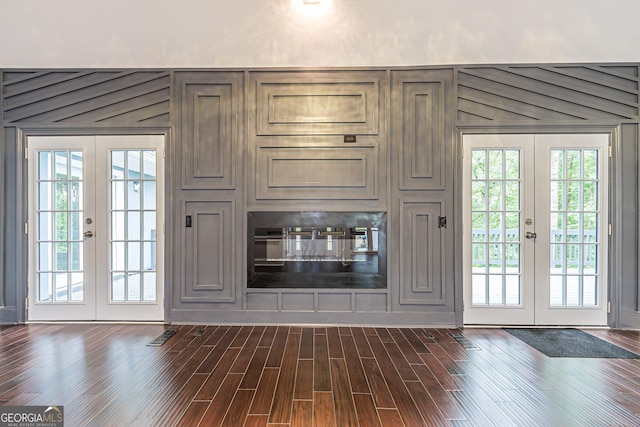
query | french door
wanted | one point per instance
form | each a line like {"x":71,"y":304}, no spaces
{"x":535,"y":229}
{"x":96,"y":219}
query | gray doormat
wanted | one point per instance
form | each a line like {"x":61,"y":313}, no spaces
{"x":570,"y":343}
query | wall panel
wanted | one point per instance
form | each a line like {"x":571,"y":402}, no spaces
{"x":318,"y":137}
{"x":90,"y":96}
{"x":421,"y":127}
{"x":317,"y":103}
{"x":422,"y":253}
{"x":295,"y":157}
{"x":318,"y":172}
{"x":210,"y":128}
{"x":539,"y":93}
{"x":209,"y":259}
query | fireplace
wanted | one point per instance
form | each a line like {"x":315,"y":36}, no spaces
{"x":346,"y":250}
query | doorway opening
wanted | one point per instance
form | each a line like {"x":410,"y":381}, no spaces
{"x":535,"y":214}
{"x":96,"y":228}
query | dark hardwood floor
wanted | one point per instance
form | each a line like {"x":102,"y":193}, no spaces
{"x":106,"y":375}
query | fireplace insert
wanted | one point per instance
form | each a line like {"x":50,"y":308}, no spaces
{"x":317,"y":250}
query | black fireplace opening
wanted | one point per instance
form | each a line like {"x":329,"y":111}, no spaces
{"x":344,"y":250}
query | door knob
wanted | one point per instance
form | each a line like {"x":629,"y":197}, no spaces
{"x":530,"y":235}
{"x":88,"y":234}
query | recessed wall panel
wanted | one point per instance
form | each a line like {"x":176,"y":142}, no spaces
{"x":209,"y":133}
{"x":317,"y":103}
{"x":421,"y":127}
{"x":317,"y":172}
{"x":209,"y":129}
{"x":334,"y":302}
{"x":422,"y":251}
{"x":262,"y":301}
{"x":371,"y":302}
{"x":209,"y":245}
{"x":294,"y":301}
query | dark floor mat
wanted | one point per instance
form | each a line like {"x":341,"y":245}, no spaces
{"x":569,"y":343}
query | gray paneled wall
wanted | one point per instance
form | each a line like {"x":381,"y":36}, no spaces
{"x":375,"y":140}
{"x":209,"y":151}
{"x":422,"y":191}
{"x":297,"y":154}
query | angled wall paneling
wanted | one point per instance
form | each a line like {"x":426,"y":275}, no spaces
{"x":72,"y":97}
{"x":66,"y":102}
{"x":539,"y":94}
{"x":299,"y":146}
{"x":422,"y":190}
{"x":570,"y":98}
{"x":210,"y":141}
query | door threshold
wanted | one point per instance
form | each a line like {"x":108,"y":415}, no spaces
{"x":493,"y":326}
{"x":95,"y":322}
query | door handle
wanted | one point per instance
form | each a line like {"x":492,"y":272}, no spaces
{"x":88,"y":234}
{"x":530,"y":235}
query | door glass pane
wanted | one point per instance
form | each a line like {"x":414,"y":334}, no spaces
{"x":133,"y":226}
{"x":59,"y":216}
{"x":574,"y":217}
{"x":495,"y":216}
{"x":149,"y":286}
{"x":117,"y":286}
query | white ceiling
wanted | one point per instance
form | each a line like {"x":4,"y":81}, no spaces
{"x":263,"y":33}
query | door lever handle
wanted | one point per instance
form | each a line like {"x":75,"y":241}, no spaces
{"x":88,"y":234}
{"x":530,"y":235}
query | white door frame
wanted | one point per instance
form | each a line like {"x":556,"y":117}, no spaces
{"x":520,"y":314}
{"x":141,"y":312}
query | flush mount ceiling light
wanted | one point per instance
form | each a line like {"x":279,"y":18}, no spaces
{"x":312,"y":9}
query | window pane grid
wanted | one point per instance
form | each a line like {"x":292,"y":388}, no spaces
{"x":495,"y":217}
{"x":574,"y":217}
{"x":133,"y":226}
{"x":59,"y":217}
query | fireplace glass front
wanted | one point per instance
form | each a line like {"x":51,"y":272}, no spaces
{"x":317,"y":250}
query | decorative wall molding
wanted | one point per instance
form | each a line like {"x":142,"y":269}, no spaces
{"x":321,"y":103}
{"x":318,"y":172}
{"x":87,"y":97}
{"x":243,"y":137}
{"x":547,"y":93}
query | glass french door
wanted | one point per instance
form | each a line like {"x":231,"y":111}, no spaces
{"x":96,"y":240}
{"x":535,"y":229}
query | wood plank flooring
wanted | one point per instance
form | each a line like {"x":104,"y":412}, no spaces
{"x":106,"y":375}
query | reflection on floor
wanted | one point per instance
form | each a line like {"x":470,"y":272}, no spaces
{"x":305,"y":376}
